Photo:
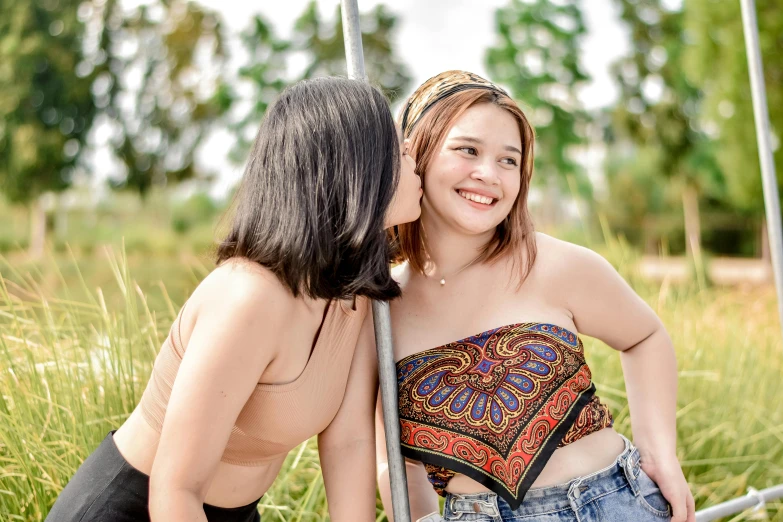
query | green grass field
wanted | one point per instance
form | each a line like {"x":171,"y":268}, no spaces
{"x":78,"y":338}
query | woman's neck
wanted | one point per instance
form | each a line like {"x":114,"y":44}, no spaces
{"x":450,"y":250}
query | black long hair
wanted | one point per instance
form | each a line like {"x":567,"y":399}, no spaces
{"x":319,"y":180}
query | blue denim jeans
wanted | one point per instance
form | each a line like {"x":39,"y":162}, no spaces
{"x":621,"y":492}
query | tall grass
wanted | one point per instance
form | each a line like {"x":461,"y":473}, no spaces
{"x":75,"y":362}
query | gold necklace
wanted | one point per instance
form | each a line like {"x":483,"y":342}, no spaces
{"x":443,"y":278}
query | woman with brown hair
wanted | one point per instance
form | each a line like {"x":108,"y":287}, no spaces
{"x":497,"y":406}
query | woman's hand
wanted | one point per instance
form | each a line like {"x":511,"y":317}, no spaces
{"x":667,"y":474}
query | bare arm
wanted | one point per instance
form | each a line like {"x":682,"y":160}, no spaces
{"x":423,"y":499}
{"x":606,"y":307}
{"x":229,"y":348}
{"x":346,"y":446}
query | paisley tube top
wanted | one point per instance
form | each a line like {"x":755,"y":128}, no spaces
{"x":495,"y":406}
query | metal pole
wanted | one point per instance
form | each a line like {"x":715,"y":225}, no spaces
{"x":391,"y":421}
{"x":354,"y":57}
{"x":754,"y":499}
{"x":763,"y":133}
{"x":352,"y":36}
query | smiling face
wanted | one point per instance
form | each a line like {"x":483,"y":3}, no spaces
{"x":472,"y":183}
{"x":476,"y":181}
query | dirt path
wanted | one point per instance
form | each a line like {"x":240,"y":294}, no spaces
{"x":722,"y":270}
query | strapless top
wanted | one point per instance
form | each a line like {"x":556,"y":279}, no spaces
{"x":495,"y":406}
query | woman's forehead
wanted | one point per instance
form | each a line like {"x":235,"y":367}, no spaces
{"x":487,"y":120}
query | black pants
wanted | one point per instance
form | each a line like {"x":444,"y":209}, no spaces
{"x":108,"y":489}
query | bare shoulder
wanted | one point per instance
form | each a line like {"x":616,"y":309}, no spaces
{"x":241,"y":288}
{"x":602,"y":304}
{"x":568,"y":270}
{"x":563,"y":260}
{"x":366,"y":339}
{"x":403,"y":275}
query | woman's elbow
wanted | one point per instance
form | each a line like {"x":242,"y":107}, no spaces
{"x":168,"y":499}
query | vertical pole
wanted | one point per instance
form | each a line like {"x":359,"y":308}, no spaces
{"x":391,"y":422}
{"x":354,"y":57}
{"x":763,"y":133}
{"x":352,"y":36}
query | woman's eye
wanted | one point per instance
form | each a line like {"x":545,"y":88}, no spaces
{"x":510,"y":161}
{"x":468,"y":150}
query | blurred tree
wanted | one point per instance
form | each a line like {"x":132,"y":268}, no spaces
{"x":157,"y":67}
{"x":659,"y":108}
{"x":637,"y":204}
{"x":323,"y":47}
{"x":318,"y":46}
{"x":198,"y":209}
{"x":46,"y":108}
{"x":537,"y":58}
{"x":264,"y":76}
{"x":716,"y":60}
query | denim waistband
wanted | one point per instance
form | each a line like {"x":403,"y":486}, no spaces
{"x":574,"y":494}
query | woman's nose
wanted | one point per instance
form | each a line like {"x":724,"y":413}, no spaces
{"x":487,"y":172}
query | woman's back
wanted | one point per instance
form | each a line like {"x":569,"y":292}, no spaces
{"x":265,"y":353}
{"x":297,"y":396}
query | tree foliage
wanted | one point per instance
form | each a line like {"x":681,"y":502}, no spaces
{"x":46,"y":107}
{"x":316,"y":44}
{"x":537,"y":58}
{"x":716,"y":60}
{"x":659,"y":105}
{"x":158,"y":68}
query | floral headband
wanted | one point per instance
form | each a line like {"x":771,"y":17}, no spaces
{"x":438,"y":88}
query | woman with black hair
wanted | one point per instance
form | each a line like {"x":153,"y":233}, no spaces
{"x":264,"y":354}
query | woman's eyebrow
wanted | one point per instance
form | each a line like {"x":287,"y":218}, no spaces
{"x":477,"y":141}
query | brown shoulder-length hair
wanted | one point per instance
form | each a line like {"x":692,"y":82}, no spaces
{"x":515,"y":234}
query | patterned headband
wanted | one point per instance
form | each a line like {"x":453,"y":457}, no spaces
{"x":437,"y":88}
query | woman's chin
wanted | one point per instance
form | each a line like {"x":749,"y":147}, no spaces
{"x":474,"y":226}
{"x":414,"y":216}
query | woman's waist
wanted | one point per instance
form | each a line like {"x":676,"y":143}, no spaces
{"x":584,"y":456}
{"x":233,"y":485}
{"x":623,"y":475}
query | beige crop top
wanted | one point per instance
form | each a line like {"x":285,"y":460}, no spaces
{"x":276,"y":417}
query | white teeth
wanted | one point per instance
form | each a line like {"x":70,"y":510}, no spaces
{"x":475,"y":197}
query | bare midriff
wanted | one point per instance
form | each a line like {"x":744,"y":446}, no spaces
{"x":581,"y":457}
{"x":232,"y":485}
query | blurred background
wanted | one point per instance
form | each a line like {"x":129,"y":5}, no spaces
{"x":115,"y":109}
{"x":124,"y":126}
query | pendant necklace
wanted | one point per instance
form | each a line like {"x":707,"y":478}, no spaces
{"x":443,"y":278}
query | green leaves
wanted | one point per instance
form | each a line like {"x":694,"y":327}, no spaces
{"x":164,"y":66}
{"x":316,"y":47}
{"x":716,"y":60}
{"x":46,"y":108}
{"x":536,"y":58}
